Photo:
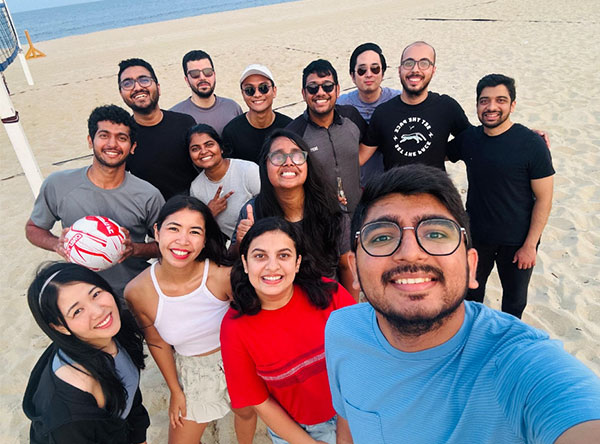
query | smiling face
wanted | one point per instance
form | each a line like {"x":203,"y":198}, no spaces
{"x":111,"y":144}
{"x":181,"y":237}
{"x":321,"y":103}
{"x":494,"y":107}
{"x":271,"y":264}
{"x":140,"y":99}
{"x":288,"y":175}
{"x":205,"y":152}
{"x":90,"y":313}
{"x":259,"y":102}
{"x":368,"y":82}
{"x":411,"y":290}
{"x":416,"y":80}
{"x":203,"y":86}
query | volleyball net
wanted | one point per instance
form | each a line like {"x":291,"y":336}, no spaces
{"x":9,"y":44}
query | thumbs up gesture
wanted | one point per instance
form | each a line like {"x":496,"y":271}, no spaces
{"x":245,"y":224}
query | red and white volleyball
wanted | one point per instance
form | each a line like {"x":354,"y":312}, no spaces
{"x":96,"y":242}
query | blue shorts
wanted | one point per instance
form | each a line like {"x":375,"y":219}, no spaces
{"x":324,"y":431}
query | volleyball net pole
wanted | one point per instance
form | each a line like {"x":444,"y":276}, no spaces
{"x":21,"y":55}
{"x":9,"y":47}
{"x":18,"y":139}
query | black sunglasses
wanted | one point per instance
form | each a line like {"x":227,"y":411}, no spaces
{"x":250,"y":90}
{"x":362,"y":70}
{"x":313,"y":88}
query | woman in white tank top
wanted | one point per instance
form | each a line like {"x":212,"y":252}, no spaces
{"x":179,"y":303}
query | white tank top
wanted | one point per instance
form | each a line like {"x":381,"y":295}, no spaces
{"x":190,"y":323}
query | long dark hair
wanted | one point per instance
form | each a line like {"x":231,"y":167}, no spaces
{"x":214,"y":244}
{"x":322,"y":218}
{"x":245,"y":299}
{"x":42,"y":298}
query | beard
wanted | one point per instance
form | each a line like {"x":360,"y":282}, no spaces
{"x":203,"y":94}
{"x":419,"y":323}
{"x":101,"y":161}
{"x":147,"y":109}
{"x":412,"y":91}
{"x":497,"y":123}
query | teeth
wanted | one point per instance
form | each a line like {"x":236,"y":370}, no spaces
{"x":179,"y":252}
{"x":271,"y":278}
{"x":412,"y":280}
{"x":205,"y":158}
{"x":288,"y":174}
{"x":103,"y":323}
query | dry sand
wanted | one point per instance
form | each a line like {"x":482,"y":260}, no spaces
{"x":549,"y":47}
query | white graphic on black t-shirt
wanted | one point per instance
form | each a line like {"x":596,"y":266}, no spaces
{"x":412,"y":136}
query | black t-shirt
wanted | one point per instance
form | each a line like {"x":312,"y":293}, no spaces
{"x":407,"y":134}
{"x":500,"y":169}
{"x":162,"y":156}
{"x":242,"y":141}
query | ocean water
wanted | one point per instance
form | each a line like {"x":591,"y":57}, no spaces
{"x":83,"y":18}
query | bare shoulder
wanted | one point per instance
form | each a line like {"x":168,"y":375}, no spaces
{"x":218,"y":281}
{"x":78,"y":377}
{"x":141,"y":296}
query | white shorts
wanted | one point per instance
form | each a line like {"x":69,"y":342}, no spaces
{"x":203,"y":382}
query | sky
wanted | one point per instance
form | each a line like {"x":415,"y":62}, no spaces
{"x":29,"y":5}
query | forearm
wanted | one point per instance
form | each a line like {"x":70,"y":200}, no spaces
{"x":145,"y":250}
{"x":165,"y":360}
{"x":278,"y":420}
{"x":365,"y":152}
{"x":343,"y":435}
{"x":539,"y":218}
{"x":40,"y":237}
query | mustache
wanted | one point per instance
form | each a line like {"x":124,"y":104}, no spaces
{"x":413,"y":268}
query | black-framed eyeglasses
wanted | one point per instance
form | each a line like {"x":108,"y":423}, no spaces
{"x":313,"y":88}
{"x":437,"y":237}
{"x":143,"y":81}
{"x":250,"y":90}
{"x":422,"y":63}
{"x":278,"y":158}
{"x":362,"y":69}
{"x":195,"y":73}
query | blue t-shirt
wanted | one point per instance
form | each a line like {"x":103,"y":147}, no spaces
{"x":366,"y":109}
{"x":497,"y":380}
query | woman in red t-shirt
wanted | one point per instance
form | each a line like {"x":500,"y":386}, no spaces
{"x":272,"y":340}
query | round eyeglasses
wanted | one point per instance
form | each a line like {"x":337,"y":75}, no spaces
{"x":422,"y":63}
{"x":278,"y":158}
{"x":143,"y":81}
{"x":437,"y":237}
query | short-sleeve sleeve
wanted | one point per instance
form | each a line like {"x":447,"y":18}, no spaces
{"x":155,"y":203}
{"x":545,"y":396}
{"x":245,"y":387}
{"x":373,"y":135}
{"x":253,"y":179}
{"x":460,"y":121}
{"x":45,"y":213}
{"x":540,"y":164}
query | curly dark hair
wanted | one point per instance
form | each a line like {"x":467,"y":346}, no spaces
{"x":114,"y":114}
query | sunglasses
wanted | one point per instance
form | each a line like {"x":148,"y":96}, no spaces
{"x":195,"y":73}
{"x":313,"y":88}
{"x":362,"y":69}
{"x":250,"y":90}
{"x":143,"y":81}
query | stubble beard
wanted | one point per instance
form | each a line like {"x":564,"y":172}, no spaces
{"x":417,"y":325}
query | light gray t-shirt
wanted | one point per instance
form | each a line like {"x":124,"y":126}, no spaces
{"x":242,"y":177}
{"x":217,"y":116}
{"x":69,"y":195}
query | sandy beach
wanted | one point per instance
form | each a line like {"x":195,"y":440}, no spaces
{"x":550,"y":49}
